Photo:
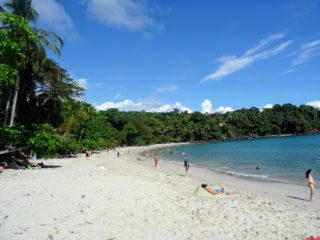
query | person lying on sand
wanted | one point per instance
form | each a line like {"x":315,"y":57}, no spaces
{"x":3,"y":166}
{"x":217,"y":190}
{"x":29,"y":165}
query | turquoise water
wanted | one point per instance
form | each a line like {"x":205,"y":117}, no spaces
{"x":279,"y":159}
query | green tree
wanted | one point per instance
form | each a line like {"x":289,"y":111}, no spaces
{"x":130,"y":132}
{"x":22,"y":8}
{"x":35,"y":53}
{"x":13,"y":55}
{"x":45,"y":141}
{"x":54,"y":89}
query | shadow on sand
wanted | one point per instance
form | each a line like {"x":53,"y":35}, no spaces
{"x":42,"y":166}
{"x":298,"y":198}
{"x":51,"y":166}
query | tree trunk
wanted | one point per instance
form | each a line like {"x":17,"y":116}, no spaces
{"x":7,"y":109}
{"x":48,"y":117}
{"x":80,"y":135}
{"x":15,"y":100}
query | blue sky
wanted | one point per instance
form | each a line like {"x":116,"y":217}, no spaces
{"x":205,"y":55}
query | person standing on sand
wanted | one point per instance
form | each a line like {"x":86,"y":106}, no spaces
{"x":156,"y":160}
{"x":186,"y":164}
{"x":311,"y":183}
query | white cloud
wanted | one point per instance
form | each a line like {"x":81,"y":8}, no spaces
{"x":311,"y":44}
{"x":264,"y":42}
{"x":222,"y":109}
{"x":118,"y":95}
{"x":83,"y":83}
{"x":291,"y":70}
{"x":128,"y":14}
{"x":307,"y":52}
{"x":267,"y":106}
{"x":99,"y":84}
{"x":206,"y":106}
{"x":53,"y":15}
{"x":315,"y":104}
{"x":168,"y":88}
{"x":145,"y":105}
{"x":231,"y":64}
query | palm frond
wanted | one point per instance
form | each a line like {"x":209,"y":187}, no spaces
{"x":48,"y":44}
{"x":23,"y":8}
{"x":49,"y":40}
{"x":52,"y":36}
{"x":2,"y":10}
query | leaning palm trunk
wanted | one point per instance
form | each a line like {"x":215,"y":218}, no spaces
{"x":15,"y":100}
{"x":80,"y":135}
{"x":7,"y":109}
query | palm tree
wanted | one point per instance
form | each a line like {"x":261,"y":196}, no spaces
{"x":55,"y":88}
{"x":23,"y":9}
{"x":35,"y":51}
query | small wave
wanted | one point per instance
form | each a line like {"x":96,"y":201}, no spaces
{"x":222,"y":168}
{"x":174,"y":162}
{"x":246,"y":175}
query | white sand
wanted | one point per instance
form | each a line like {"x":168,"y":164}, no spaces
{"x":121,"y":198}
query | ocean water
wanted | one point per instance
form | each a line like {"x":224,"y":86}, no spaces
{"x":277,"y":159}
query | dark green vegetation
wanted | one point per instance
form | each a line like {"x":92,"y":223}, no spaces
{"x":40,"y":113}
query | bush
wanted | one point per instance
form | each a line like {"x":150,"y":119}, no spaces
{"x":12,"y":136}
{"x":111,"y":143}
{"x":90,"y":144}
{"x":45,"y":141}
{"x":140,"y":141}
{"x":70,"y":145}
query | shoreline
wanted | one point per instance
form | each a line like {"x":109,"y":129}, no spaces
{"x":110,"y":197}
{"x":256,"y":137}
{"x":269,"y":176}
{"x":291,"y":191}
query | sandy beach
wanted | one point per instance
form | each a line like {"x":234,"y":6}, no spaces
{"x":106,"y":197}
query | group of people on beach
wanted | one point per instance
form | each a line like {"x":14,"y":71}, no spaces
{"x":21,"y":164}
{"x":155,"y":158}
{"x":209,"y":189}
{"x":221,"y":190}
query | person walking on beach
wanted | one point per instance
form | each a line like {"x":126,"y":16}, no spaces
{"x":186,"y":164}
{"x":156,"y":160}
{"x":311,"y":183}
